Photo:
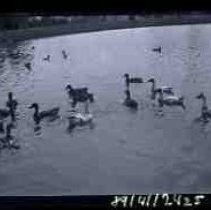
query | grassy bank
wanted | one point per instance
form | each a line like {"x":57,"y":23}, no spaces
{"x":90,"y":26}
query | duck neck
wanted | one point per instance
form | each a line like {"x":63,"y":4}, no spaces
{"x":153,"y":86}
{"x":8,"y":132}
{"x":204,"y":103}
{"x":36,"y":111}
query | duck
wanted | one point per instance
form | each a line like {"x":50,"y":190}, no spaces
{"x":28,"y":66}
{"x":38,"y":116}
{"x":131,"y":103}
{"x":158,"y":49}
{"x":129,"y":80}
{"x":82,"y":98}
{"x":171,"y":100}
{"x":79,"y":95}
{"x":64,"y":54}
{"x":47,"y":58}
{"x":72,"y":91}
{"x":8,"y":141}
{"x":154,"y":90}
{"x":80,"y":119}
{"x":205,"y":110}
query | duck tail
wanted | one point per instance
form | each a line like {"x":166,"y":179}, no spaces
{"x":181,"y":99}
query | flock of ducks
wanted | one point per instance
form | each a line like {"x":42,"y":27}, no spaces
{"x":165,"y":96}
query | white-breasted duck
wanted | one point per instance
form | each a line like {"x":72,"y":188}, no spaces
{"x":171,"y":100}
{"x":154,"y":89}
{"x":47,"y":58}
{"x":129,"y":79}
{"x":8,"y":140}
{"x":38,"y":116}
{"x":205,"y":110}
{"x":129,"y":102}
{"x":157,"y":49}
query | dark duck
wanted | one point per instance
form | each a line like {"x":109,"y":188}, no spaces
{"x":155,"y":90}
{"x":8,"y":140}
{"x":38,"y":116}
{"x":129,"y":80}
{"x":129,"y":102}
{"x":157,"y":49}
{"x":79,"y":95}
{"x":205,"y":110}
{"x":171,"y":100}
{"x":47,"y":58}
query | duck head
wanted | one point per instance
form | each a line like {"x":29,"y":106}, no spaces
{"x":200,"y":96}
{"x":126,"y":75}
{"x":34,"y":105}
{"x":68,"y":87}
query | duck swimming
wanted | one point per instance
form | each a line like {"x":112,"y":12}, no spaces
{"x":164,"y":89}
{"x":170,"y":100}
{"x":158,"y":49}
{"x":7,"y":141}
{"x":79,"y":95}
{"x":205,"y":111}
{"x":47,"y":58}
{"x":64,"y":54}
{"x":129,"y":80}
{"x":38,"y":116}
{"x":131,"y":103}
{"x":72,"y":91}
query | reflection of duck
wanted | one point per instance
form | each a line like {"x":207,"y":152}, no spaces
{"x":158,"y":49}
{"x":80,"y":119}
{"x":131,"y":103}
{"x":129,"y":80}
{"x":170,"y":100}
{"x":12,"y":105}
{"x":7,"y":141}
{"x":205,"y":111}
{"x":47,"y":58}
{"x":38,"y":116}
{"x":154,"y":90}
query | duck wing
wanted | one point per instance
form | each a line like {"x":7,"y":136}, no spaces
{"x":48,"y":113}
{"x":167,"y":89}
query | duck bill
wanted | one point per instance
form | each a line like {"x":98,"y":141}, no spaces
{"x":30,"y":107}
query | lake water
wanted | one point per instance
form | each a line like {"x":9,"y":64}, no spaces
{"x":124,"y":152}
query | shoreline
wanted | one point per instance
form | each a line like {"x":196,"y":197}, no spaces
{"x":95,"y":26}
